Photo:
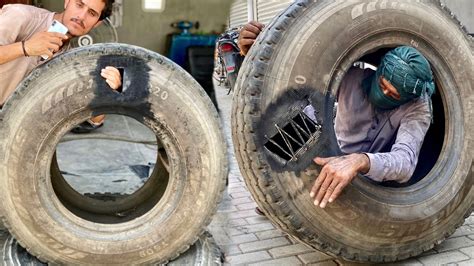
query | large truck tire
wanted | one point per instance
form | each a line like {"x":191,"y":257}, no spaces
{"x":66,"y":91}
{"x":301,"y":58}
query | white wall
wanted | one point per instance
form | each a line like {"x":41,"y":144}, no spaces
{"x":149,"y":30}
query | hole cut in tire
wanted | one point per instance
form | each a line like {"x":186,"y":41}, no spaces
{"x":112,"y":174}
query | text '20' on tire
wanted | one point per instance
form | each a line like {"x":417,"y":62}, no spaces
{"x":159,"y":223}
{"x":302,"y":57}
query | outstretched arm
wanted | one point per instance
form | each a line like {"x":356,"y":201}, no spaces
{"x":397,"y":165}
{"x":335,"y":175}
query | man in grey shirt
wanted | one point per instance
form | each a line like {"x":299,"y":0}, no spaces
{"x":385,"y":136}
{"x":381,"y":120}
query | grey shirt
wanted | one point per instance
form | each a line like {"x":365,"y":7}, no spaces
{"x":391,"y":139}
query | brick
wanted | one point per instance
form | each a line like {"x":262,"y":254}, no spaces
{"x":263,"y":244}
{"x":219,"y":235}
{"x":269,"y":234}
{"x":247,"y":206}
{"x":315,"y":256}
{"x":241,"y":214}
{"x":443,"y":258}
{"x":219,"y":219}
{"x":468,"y":251}
{"x":257,"y":220}
{"x":236,"y":222}
{"x":291,"y":250}
{"x":239,"y":239}
{"x":227,"y":208}
{"x":248,"y":257}
{"x":237,"y":189}
{"x":283,"y":261}
{"x":242,"y":200}
{"x":454,"y":243}
{"x":245,"y":229}
{"x":464,"y":230}
{"x":229,"y":250}
{"x":240,"y":195}
{"x":234,"y":180}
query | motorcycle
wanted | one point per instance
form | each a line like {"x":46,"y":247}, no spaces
{"x":228,"y":58}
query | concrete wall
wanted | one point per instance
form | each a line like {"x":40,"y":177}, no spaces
{"x":464,"y":11}
{"x":149,"y":30}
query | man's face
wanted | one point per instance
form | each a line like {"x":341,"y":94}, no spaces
{"x":81,"y":16}
{"x":388,"y":89}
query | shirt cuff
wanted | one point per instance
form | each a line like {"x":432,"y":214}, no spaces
{"x":376,"y":168}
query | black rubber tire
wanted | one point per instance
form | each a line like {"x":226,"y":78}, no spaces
{"x":302,"y":55}
{"x":205,"y":252}
{"x":15,"y":255}
{"x":202,"y":253}
{"x":67,"y":90}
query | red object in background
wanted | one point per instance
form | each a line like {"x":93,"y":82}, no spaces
{"x":6,"y":2}
{"x":226,"y":47}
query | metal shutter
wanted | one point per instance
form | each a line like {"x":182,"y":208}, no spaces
{"x":238,"y":13}
{"x":268,"y":9}
{"x":464,"y":11}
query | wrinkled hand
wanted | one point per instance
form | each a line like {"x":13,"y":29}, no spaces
{"x":112,"y":77}
{"x":248,"y":34}
{"x":336,"y":174}
{"x":45,"y":43}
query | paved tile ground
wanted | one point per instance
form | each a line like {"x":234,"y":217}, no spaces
{"x":247,"y":238}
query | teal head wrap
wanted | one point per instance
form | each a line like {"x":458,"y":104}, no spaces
{"x":408,"y":71}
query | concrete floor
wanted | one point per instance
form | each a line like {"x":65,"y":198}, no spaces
{"x":103,"y":162}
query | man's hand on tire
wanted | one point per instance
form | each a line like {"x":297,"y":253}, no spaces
{"x":336,"y":174}
{"x":248,"y":34}
{"x":112,"y":77}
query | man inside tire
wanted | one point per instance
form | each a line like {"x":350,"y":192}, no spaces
{"x":24,"y":40}
{"x":381,"y":121}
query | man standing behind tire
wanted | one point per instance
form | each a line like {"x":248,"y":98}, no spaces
{"x":381,"y":121}
{"x":24,"y":39}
